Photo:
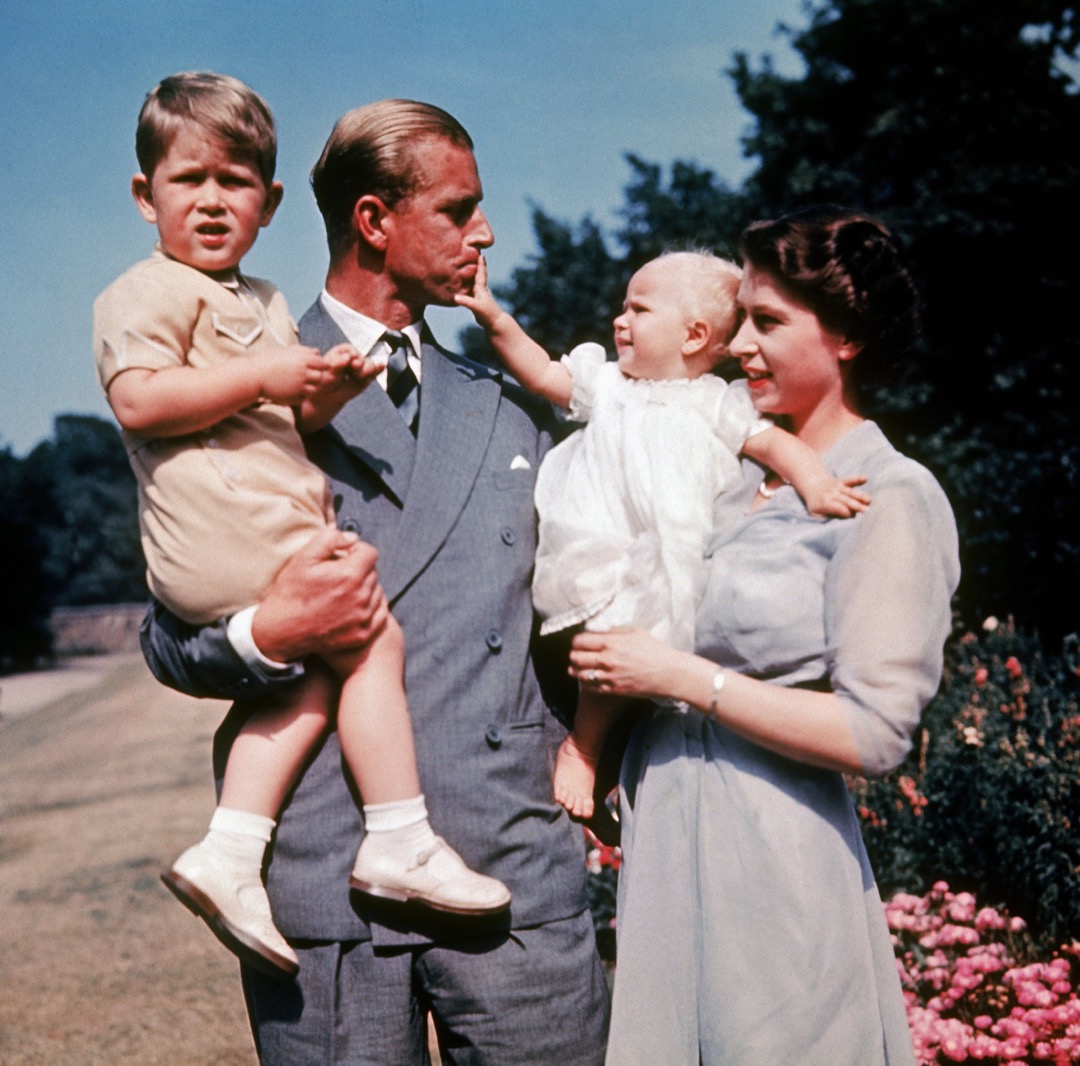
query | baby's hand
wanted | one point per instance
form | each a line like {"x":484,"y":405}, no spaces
{"x":481,"y":302}
{"x":351,"y":369}
{"x":837,"y":498}
{"x":289,"y":374}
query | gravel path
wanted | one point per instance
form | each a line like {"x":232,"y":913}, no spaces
{"x":104,"y":778}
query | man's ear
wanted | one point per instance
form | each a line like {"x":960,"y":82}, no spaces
{"x":369,"y":218}
{"x":144,"y":197}
{"x":272,"y":202}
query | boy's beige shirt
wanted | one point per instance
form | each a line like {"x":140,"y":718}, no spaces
{"x":220,"y":510}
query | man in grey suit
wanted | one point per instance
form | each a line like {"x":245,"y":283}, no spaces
{"x":450,"y":513}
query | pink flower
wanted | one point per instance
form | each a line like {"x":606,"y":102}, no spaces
{"x":1013,"y":667}
{"x":981,"y":676}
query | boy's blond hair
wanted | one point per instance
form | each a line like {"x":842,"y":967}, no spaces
{"x":222,"y":106}
{"x":710,"y":291}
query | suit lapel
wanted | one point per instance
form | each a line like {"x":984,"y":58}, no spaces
{"x":369,"y":427}
{"x":458,"y":404}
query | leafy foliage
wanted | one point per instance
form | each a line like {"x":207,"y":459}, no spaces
{"x":69,"y":532}
{"x":85,"y":507}
{"x":1000,"y":747}
{"x":24,"y":610}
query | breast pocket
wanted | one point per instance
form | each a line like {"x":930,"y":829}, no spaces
{"x":242,"y":329}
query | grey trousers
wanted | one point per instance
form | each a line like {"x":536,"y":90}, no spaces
{"x":532,"y":997}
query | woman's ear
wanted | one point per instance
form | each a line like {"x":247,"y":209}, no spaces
{"x":848,"y":348}
{"x":369,"y":217}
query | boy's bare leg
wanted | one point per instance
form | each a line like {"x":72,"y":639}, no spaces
{"x":373,"y":723}
{"x":274,"y":744}
{"x":400,"y":856}
{"x":579,"y":754}
{"x":220,"y":878}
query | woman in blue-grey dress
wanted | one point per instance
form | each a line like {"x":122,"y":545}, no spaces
{"x":750,"y":929}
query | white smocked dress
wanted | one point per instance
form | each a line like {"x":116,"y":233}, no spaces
{"x":750,"y":930}
{"x":626,"y":503}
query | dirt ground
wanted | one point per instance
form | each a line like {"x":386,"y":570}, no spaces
{"x":104,"y":778}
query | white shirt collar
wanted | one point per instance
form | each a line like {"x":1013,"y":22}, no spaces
{"x":364,"y":333}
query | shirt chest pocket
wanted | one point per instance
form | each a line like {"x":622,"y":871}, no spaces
{"x":243,"y":330}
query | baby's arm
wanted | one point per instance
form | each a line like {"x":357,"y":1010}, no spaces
{"x":178,"y":400}
{"x":351,"y":373}
{"x":800,"y":465}
{"x":525,"y":359}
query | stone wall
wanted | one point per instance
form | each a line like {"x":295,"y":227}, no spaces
{"x":96,"y":630}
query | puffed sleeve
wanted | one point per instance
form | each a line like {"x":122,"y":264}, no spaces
{"x":738,"y":418}
{"x":586,"y":364}
{"x":887,"y":613}
{"x":139,"y":322}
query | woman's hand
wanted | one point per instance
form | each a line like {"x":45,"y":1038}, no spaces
{"x":630,"y":662}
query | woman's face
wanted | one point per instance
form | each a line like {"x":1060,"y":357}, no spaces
{"x":792,"y":362}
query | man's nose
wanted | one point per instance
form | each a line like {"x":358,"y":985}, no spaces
{"x":480,"y":235}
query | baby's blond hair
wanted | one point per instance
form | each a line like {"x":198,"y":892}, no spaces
{"x":710,"y":291}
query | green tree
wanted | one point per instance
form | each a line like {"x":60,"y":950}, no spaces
{"x":24,"y":608}
{"x":82,"y":501}
{"x":955,"y":122}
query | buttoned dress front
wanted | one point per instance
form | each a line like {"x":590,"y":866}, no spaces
{"x":750,"y":928}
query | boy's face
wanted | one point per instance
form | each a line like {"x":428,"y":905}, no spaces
{"x":653,"y":327}
{"x":207,"y":201}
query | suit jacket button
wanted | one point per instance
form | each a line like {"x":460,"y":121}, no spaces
{"x":350,"y":526}
{"x":493,"y":639}
{"x":493,"y":736}
{"x":509,"y":537}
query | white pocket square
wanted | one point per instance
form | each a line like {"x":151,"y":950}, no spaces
{"x":519,"y":462}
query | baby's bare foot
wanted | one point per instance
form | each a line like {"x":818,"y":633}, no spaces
{"x":575,"y":778}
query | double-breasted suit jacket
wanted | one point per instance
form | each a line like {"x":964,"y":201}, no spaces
{"x":451,"y":513}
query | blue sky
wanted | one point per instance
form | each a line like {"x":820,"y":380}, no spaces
{"x":554,"y":93}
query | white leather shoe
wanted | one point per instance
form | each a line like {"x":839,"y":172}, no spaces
{"x":233,"y":903}
{"x":436,"y":877}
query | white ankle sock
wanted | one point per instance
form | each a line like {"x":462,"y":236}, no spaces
{"x":400,"y":824}
{"x":240,"y":835}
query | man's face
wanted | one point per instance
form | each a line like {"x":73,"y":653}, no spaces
{"x":436,"y":235}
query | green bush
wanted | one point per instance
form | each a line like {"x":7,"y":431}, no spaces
{"x":989,"y":798}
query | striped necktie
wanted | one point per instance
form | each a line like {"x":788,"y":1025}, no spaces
{"x":401,"y":384}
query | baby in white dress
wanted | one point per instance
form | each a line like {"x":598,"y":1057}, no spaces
{"x":626,"y":504}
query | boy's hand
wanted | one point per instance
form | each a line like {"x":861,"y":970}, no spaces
{"x":290,"y":374}
{"x":350,"y":369}
{"x":837,"y":497}
{"x":481,"y":302}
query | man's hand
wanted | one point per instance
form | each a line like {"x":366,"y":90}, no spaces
{"x":325,"y":599}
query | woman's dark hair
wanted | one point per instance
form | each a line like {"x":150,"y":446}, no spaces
{"x":846,"y":267}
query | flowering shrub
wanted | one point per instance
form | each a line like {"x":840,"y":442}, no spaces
{"x":968,"y":992}
{"x":990,"y":796}
{"x":602,"y":865}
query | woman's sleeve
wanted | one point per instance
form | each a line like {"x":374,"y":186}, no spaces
{"x":887,"y":614}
